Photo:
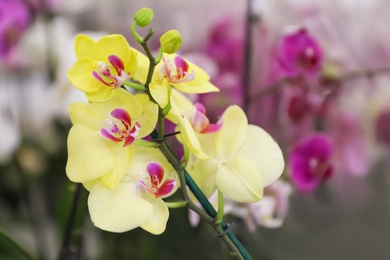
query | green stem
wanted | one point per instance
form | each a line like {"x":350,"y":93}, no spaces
{"x":191,"y":205}
{"x":211,"y":212}
{"x":229,"y":242}
{"x":137,"y":37}
{"x":219,"y":217}
{"x":5,"y":235}
{"x":145,"y":143}
{"x":176,"y":204}
{"x":134,"y":85}
{"x":160,"y":124}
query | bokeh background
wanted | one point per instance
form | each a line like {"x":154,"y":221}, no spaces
{"x":344,"y":94}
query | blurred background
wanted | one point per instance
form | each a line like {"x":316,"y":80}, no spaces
{"x":314,"y":74}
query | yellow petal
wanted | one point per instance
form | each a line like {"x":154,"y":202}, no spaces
{"x":132,"y":63}
{"x":123,"y":158}
{"x":239,"y":180}
{"x":80,"y":75}
{"x":81,"y":113}
{"x":200,"y":84}
{"x":233,"y":132}
{"x":88,"y":155}
{"x":120,"y":99}
{"x":187,"y":133}
{"x":102,"y":94}
{"x":264,"y":153}
{"x":207,"y":142}
{"x":157,"y":222}
{"x":119,"y":209}
{"x":160,"y":92}
{"x":114,"y":44}
{"x":83,"y":45}
{"x":196,"y":86}
{"x":182,"y":101}
{"x":142,"y":68}
{"x":149,"y":116}
{"x":203,"y":172}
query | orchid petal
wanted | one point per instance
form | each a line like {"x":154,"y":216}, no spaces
{"x":166,"y":188}
{"x":232,"y":134}
{"x":81,"y":113}
{"x":83,"y":45}
{"x":211,"y":128}
{"x":123,"y":158}
{"x":114,"y":44}
{"x":148,"y":119}
{"x":264,"y":153}
{"x":203,"y":172}
{"x":240,"y":181}
{"x":117,"y":63}
{"x":80,"y":75}
{"x":156,"y":173}
{"x":119,"y":209}
{"x":122,"y":115}
{"x":86,"y":158}
{"x":141,"y":73}
{"x":160,"y":92}
{"x":187,"y":133}
{"x":103,"y":93}
{"x":157,"y":223}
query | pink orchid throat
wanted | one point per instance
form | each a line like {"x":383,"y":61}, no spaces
{"x":120,"y":129}
{"x":176,"y":70}
{"x":201,"y":123}
{"x":105,"y":76}
{"x":157,"y":186}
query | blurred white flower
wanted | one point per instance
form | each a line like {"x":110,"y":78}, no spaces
{"x":270,"y":212}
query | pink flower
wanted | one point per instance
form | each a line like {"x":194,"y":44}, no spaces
{"x":299,"y":53}
{"x":382,"y":127}
{"x":14,"y":19}
{"x":225,"y":47}
{"x":310,"y":161}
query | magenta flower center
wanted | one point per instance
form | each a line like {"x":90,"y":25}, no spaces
{"x":318,"y":168}
{"x":176,"y":70}
{"x":155,"y":183}
{"x":201,"y":123}
{"x":112,"y":74}
{"x":118,"y":128}
{"x":308,"y":58}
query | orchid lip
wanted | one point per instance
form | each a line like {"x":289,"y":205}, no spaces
{"x":119,"y":128}
{"x":157,"y":186}
{"x":104,"y":75}
{"x":176,"y":70}
{"x":201,"y":123}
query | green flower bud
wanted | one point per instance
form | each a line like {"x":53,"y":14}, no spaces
{"x":170,"y":41}
{"x":143,"y":17}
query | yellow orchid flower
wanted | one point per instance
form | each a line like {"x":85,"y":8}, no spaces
{"x":244,"y":160}
{"x":102,"y":66}
{"x":100,"y":142}
{"x":137,"y":200}
{"x":173,"y":70}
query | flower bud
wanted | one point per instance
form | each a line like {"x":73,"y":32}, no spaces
{"x":170,"y":41}
{"x":143,"y":17}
